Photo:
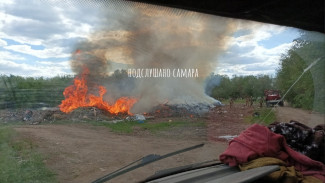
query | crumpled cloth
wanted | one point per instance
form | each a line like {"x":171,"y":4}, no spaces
{"x":258,"y":141}
{"x":303,"y":139}
{"x":284,"y":175}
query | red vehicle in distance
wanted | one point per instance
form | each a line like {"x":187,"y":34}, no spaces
{"x":273,"y":97}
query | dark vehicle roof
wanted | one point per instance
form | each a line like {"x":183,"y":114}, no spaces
{"x":303,"y":14}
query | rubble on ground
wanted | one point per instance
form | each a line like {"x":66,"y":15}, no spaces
{"x":52,"y":114}
{"x":49,"y":115}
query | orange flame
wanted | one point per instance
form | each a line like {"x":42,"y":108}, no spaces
{"x":77,"y":96}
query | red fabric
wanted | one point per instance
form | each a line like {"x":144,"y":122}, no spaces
{"x":258,"y":141}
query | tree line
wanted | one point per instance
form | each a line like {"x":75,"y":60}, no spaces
{"x":17,"y":91}
{"x":223,"y":87}
{"x":31,"y":92}
{"x":308,"y":92}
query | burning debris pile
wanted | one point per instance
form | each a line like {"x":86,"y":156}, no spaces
{"x":52,"y":115}
{"x":77,"y":95}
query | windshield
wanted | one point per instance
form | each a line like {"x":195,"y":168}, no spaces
{"x":88,"y":87}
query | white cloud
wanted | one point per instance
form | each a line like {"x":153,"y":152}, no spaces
{"x":78,"y":29}
{"x":36,"y":23}
{"x":7,"y":20}
{"x":244,"y":70}
{"x":246,"y":56}
{"x":55,"y":52}
{"x":27,"y":70}
{"x":49,"y":63}
{"x":3,"y":43}
{"x":261,"y":52}
{"x":257,"y":32}
{"x":54,"y":25}
{"x":35,"y":32}
{"x":9,"y":65}
{"x":268,"y":56}
{"x":22,"y":39}
{"x":5,"y":2}
{"x":6,"y":55}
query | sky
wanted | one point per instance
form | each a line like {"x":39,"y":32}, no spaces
{"x":256,"y":49}
{"x":37,"y":38}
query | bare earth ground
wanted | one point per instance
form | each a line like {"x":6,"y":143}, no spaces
{"x":309,"y":118}
{"x":226,"y":121}
{"x":83,"y":153}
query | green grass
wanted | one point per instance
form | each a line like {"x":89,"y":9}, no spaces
{"x":11,"y":124}
{"x":19,"y":162}
{"x":266,"y":116}
{"x":128,"y":126}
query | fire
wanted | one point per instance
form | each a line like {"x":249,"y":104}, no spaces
{"x":77,"y":96}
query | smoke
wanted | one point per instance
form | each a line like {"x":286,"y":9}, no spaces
{"x":146,"y":36}
{"x":211,"y":82}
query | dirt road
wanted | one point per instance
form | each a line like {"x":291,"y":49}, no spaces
{"x":83,"y":153}
{"x":309,"y":118}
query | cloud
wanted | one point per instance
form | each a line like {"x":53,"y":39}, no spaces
{"x":40,"y":20}
{"x":67,"y":43}
{"x":3,"y":43}
{"x":27,"y":70}
{"x":55,"y":52}
{"x":261,"y":52}
{"x":55,"y":26}
{"x":16,"y":26}
{"x":59,"y":64}
{"x":260,"y":67}
{"x":46,"y":22}
{"x":32,"y":10}
{"x":247,"y":56}
{"x":6,"y":55}
{"x":244,"y":70}
{"x":11,"y":63}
